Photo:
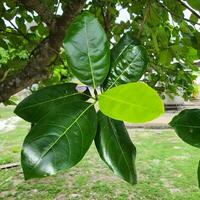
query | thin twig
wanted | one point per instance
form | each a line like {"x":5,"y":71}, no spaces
{"x":5,"y":32}
{"x":175,"y":15}
{"x":189,"y":8}
{"x":21,"y":33}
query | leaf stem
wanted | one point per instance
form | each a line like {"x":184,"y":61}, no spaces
{"x":96,"y":94}
{"x":88,"y":96}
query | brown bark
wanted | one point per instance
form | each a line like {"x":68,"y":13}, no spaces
{"x":37,"y":66}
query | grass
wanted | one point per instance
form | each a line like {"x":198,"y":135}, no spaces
{"x":6,"y":112}
{"x":11,"y":142}
{"x":166,"y":170}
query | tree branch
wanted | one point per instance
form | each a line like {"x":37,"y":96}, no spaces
{"x":189,"y":8}
{"x":175,"y":15}
{"x":106,"y":19}
{"x":37,"y":66}
{"x":21,"y":33}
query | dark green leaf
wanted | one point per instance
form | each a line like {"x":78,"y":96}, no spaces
{"x":2,"y":25}
{"x":115,"y":148}
{"x":194,"y":18}
{"x":165,"y":57}
{"x":187,"y":126}
{"x":195,"y":4}
{"x":60,"y":140}
{"x":21,"y":24}
{"x":37,"y":105}
{"x":87,"y":50}
{"x":128,"y":62}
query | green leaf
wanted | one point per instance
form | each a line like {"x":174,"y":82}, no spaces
{"x":128,"y":62}
{"x":115,"y":148}
{"x":2,"y":25}
{"x":21,"y":24}
{"x":165,"y":57}
{"x":87,"y":50}
{"x":187,"y":126}
{"x":163,"y":36}
{"x":37,"y":105}
{"x":59,"y":141}
{"x":132,"y":102}
{"x":195,"y":4}
{"x":194,"y":18}
{"x":154,"y":19}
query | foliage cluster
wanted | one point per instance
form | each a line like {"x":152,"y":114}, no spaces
{"x":173,"y":42}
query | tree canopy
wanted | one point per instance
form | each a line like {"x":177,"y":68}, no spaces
{"x":32,"y":34}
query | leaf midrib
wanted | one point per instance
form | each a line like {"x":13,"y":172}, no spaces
{"x":123,"y":50}
{"x":49,"y":101}
{"x":64,"y":133}
{"x":117,"y":78}
{"x":88,"y":53}
{"x":131,"y":104}
{"x":114,"y":132}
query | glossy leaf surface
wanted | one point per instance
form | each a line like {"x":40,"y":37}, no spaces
{"x":59,"y":141}
{"x":116,"y":148}
{"x":132,"y":102}
{"x":37,"y":105}
{"x":87,"y":50}
{"x":187,"y":126}
{"x":128,"y":62}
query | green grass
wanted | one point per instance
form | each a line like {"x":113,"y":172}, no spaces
{"x":11,"y":142}
{"x":6,"y":112}
{"x":166,"y":170}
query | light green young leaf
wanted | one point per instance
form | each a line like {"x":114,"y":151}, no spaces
{"x":132,"y":102}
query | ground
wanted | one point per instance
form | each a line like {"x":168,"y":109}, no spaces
{"x":166,"y":170}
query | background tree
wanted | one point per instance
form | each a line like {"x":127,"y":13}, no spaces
{"x":32,"y":33}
